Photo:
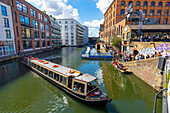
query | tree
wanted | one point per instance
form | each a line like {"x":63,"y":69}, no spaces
{"x":44,"y":11}
{"x":98,"y":40}
{"x":116,"y":42}
{"x":51,"y":16}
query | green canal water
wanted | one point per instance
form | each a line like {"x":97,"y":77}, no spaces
{"x":21,"y":90}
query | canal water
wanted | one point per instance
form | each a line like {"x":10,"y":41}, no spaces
{"x":21,"y":90}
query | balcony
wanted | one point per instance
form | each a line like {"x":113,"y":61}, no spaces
{"x":55,"y":36}
{"x":54,"y":27}
{"x":56,"y":32}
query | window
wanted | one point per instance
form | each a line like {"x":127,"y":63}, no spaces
{"x":151,"y":12}
{"x":24,"y":20}
{"x":33,"y":13}
{"x":166,"y":12}
{"x":122,"y":12}
{"x":35,"y":24}
{"x":15,"y":16}
{"x":42,"y":35}
{"x":160,"y":4}
{"x":6,"y":22}
{"x":17,"y":31}
{"x":47,"y":28}
{"x":167,"y":4}
{"x":45,"y":19}
{"x":145,"y":3}
{"x":36,"y":34}
{"x":152,"y":3}
{"x":72,"y":22}
{"x":48,"y":36}
{"x":42,"y":26}
{"x":72,"y":33}
{"x":158,"y":21}
{"x":65,"y":22}
{"x":8,"y":34}
{"x":130,"y":3}
{"x":145,"y":12}
{"x":165,"y":21}
{"x":66,"y":26}
{"x":128,"y":35}
{"x":40,"y":16}
{"x":122,"y":3}
{"x":91,"y":86}
{"x":137,"y":3}
{"x":123,"y":35}
{"x":3,"y":10}
{"x":72,"y":26}
{"x":79,"y":87}
{"x":59,"y":22}
{"x":137,"y":12}
{"x":21,"y":7}
{"x":159,"y":12}
{"x":26,"y":33}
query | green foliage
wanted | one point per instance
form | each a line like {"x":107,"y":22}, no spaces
{"x":98,"y":40}
{"x":44,"y":11}
{"x":116,"y":42}
{"x":168,"y":77}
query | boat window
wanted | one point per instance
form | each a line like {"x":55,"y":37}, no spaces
{"x":38,"y":67}
{"x":51,"y":74}
{"x":56,"y":76}
{"x":46,"y":71}
{"x":62,"y":80}
{"x":70,"y":82}
{"x":42,"y":69}
{"x":79,"y":87}
{"x":91,"y":86}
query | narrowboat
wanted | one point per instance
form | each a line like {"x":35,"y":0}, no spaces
{"x":81,"y":86}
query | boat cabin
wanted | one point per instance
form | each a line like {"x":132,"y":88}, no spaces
{"x":70,"y":79}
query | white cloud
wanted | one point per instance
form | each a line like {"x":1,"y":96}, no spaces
{"x":103,"y":5}
{"x":94,"y":27}
{"x":57,"y":8}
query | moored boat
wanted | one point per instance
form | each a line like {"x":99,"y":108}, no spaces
{"x":81,"y":86}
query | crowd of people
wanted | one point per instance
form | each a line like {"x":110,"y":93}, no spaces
{"x":149,"y":38}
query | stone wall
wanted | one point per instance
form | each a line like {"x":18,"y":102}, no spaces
{"x":147,"y":71}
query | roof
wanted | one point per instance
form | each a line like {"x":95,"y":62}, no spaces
{"x":61,"y":69}
{"x":150,"y":27}
{"x":86,"y":78}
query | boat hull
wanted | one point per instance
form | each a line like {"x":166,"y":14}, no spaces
{"x":76,"y":96}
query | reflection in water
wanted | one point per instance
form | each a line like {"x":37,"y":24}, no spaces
{"x":21,"y":90}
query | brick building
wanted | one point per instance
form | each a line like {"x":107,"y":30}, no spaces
{"x":159,"y":10}
{"x":31,"y":26}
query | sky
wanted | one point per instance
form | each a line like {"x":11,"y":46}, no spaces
{"x":87,"y":12}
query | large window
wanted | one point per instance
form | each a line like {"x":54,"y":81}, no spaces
{"x":43,"y":35}
{"x":35,"y":24}
{"x":79,"y":87}
{"x":6,"y":22}
{"x":166,"y":12}
{"x":145,"y":3}
{"x":152,"y":3}
{"x":165,"y":21}
{"x":122,"y":3}
{"x":122,"y":12}
{"x":36,"y":34}
{"x":27,"y":45}
{"x":158,"y":21}
{"x":24,"y":20}
{"x":45,"y":19}
{"x":8,"y":34}
{"x":167,"y":3}
{"x":160,"y":4}
{"x":6,"y":48}
{"x":47,"y":28}
{"x":151,"y":12}
{"x":26,"y":33}
{"x":128,"y":35}
{"x":145,"y":12}
{"x":33,"y":13}
{"x":15,"y":16}
{"x":123,"y":36}
{"x":90,"y":86}
{"x":42,"y":26}
{"x":130,"y":3}
{"x":3,"y":10}
{"x":137,"y":3}
{"x":21,"y":7}
{"x":159,"y":12}
{"x":40,"y":16}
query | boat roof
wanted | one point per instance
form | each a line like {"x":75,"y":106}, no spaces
{"x":61,"y":69}
{"x":85,"y":78}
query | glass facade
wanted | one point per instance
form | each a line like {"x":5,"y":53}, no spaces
{"x":35,"y":24}
{"x":40,"y":16}
{"x":24,"y":20}
{"x":33,"y":13}
{"x":3,"y":10}
{"x":21,"y":7}
{"x":6,"y":48}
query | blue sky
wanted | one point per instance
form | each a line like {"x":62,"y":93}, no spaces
{"x":87,"y":12}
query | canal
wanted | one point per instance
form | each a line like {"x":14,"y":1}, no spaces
{"x":21,"y":90}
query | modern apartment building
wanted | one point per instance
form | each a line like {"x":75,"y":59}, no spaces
{"x":56,"y":35}
{"x":32,"y":27}
{"x":85,"y":37}
{"x":72,"y":32}
{"x":7,"y":43}
{"x":157,"y":10}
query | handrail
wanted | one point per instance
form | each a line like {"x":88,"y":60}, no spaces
{"x":157,"y":96}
